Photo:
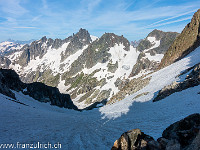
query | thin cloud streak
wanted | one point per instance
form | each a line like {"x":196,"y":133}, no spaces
{"x":180,"y":15}
{"x":170,"y":22}
{"x":24,"y":27}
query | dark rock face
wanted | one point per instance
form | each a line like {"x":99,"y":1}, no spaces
{"x":44,"y":93}
{"x":9,"y":80}
{"x":39,"y":48}
{"x":144,"y":44}
{"x":166,"y":39}
{"x":184,"y":131}
{"x":4,"y":62}
{"x":78,"y":41}
{"x":193,"y":79}
{"x":143,"y":63}
{"x":185,"y":43}
{"x":182,"y":135}
{"x":6,"y":81}
{"x":97,"y":52}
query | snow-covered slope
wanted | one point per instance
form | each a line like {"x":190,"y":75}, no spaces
{"x":7,"y":46}
{"x":158,"y":80}
{"x":33,"y":122}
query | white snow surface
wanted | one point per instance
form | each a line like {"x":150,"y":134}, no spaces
{"x":7,"y":46}
{"x":156,"y":57}
{"x":93,"y":38}
{"x":87,"y":130}
{"x":153,"y":41}
{"x":62,"y":87}
{"x":14,"y":56}
{"x":52,"y":60}
{"x":126,"y":60}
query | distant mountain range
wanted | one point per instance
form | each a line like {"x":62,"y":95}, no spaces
{"x":10,"y":46}
{"x":20,"y":42}
{"x":90,"y":69}
{"x":93,"y":69}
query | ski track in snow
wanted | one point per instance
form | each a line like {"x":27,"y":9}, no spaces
{"x":99,"y":128}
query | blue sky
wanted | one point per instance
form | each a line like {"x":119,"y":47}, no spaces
{"x":33,"y":19}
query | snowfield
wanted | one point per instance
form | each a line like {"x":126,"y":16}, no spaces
{"x":99,"y":128}
{"x":7,"y":46}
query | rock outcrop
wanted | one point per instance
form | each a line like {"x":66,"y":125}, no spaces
{"x":129,"y":88}
{"x":97,"y":52}
{"x":4,"y":62}
{"x":133,"y":140}
{"x":9,"y":80}
{"x":182,"y":135}
{"x":186,"y":42}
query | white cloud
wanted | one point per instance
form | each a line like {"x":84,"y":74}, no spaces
{"x":92,"y":4}
{"x":36,"y":18}
{"x":44,"y":2}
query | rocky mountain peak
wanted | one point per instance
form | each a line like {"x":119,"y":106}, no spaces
{"x":83,"y":35}
{"x":186,"y":42}
{"x":165,"y":38}
{"x":77,"y":42}
{"x":110,"y":39}
{"x":43,"y":39}
{"x":158,"y":34}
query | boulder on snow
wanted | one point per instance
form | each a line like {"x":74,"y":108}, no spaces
{"x":135,"y":139}
{"x":184,"y":134}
